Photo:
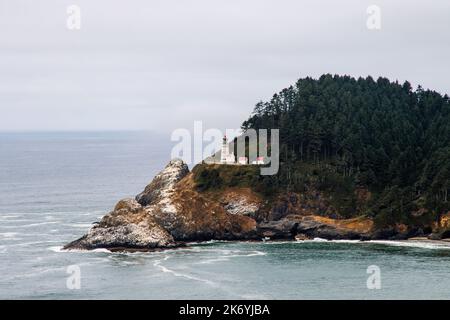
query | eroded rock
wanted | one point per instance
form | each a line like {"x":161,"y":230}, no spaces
{"x":317,"y":227}
{"x":168,"y":210}
{"x":171,"y":210}
{"x":163,"y":183}
{"x":127,"y":226}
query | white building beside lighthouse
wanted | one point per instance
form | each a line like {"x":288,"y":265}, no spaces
{"x":228,"y":158}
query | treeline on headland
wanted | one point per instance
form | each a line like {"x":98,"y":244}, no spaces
{"x":346,"y":137}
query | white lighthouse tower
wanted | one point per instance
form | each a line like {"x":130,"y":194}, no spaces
{"x":225,"y":156}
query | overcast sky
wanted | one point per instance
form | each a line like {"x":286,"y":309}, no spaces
{"x":160,"y":65}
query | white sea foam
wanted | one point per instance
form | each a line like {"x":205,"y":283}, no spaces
{"x":30,"y":225}
{"x":8,"y":234}
{"x":101,"y":250}
{"x":60,"y":249}
{"x":234,"y":254}
{"x":201,"y":249}
{"x":274,"y":242}
{"x":8,"y":216}
{"x":319,"y":240}
{"x":164,"y":269}
{"x":426,"y":244}
{"x":79,"y":225}
{"x":96,"y":212}
{"x":16,"y":214}
{"x":279,"y":242}
{"x":12,"y":223}
{"x":56,"y":249}
{"x":345,"y":241}
{"x":414,"y":244}
{"x":36,"y":272}
{"x":207,"y":242}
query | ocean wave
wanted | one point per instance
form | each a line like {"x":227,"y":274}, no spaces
{"x":61,"y":249}
{"x":93,"y":212}
{"x":164,"y":269}
{"x":207,"y":249}
{"x":413,"y":243}
{"x":82,"y":213}
{"x":234,"y":254}
{"x":104,"y":250}
{"x":56,"y":249}
{"x":8,"y":234}
{"x":331,"y":241}
{"x":24,"y":244}
{"x":30,"y":225}
{"x":79,"y":225}
{"x":36,"y":272}
{"x":423,"y":244}
{"x":276,"y":242}
{"x":8,"y":216}
{"x":207,"y":242}
{"x":281,"y":242}
{"x":14,"y":222}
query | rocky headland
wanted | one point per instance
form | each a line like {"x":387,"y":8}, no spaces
{"x":172,"y":211}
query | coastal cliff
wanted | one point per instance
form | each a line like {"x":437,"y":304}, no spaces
{"x":168,"y":212}
{"x":172,"y":211}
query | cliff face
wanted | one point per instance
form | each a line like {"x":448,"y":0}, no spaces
{"x":163,"y":184}
{"x":168,"y":211}
{"x":171,"y":210}
{"x":172,"y":201}
{"x":127,"y":226}
{"x":202,"y":217}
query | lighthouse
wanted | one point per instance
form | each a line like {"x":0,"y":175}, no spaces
{"x":225,"y":156}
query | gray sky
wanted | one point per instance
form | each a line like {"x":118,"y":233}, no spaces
{"x":160,"y":65}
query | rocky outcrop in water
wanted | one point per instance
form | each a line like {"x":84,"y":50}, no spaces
{"x":127,"y":226}
{"x":141,"y":223}
{"x":171,"y":211}
{"x":168,"y":211}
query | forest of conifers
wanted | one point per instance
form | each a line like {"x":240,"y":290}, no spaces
{"x":363,"y":133}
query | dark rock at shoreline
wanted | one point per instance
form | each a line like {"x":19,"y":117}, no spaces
{"x":281,"y":229}
{"x":440,"y":235}
{"x":309,"y":227}
{"x":316,"y":227}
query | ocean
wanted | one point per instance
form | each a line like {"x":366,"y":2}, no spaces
{"x":53,"y":186}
